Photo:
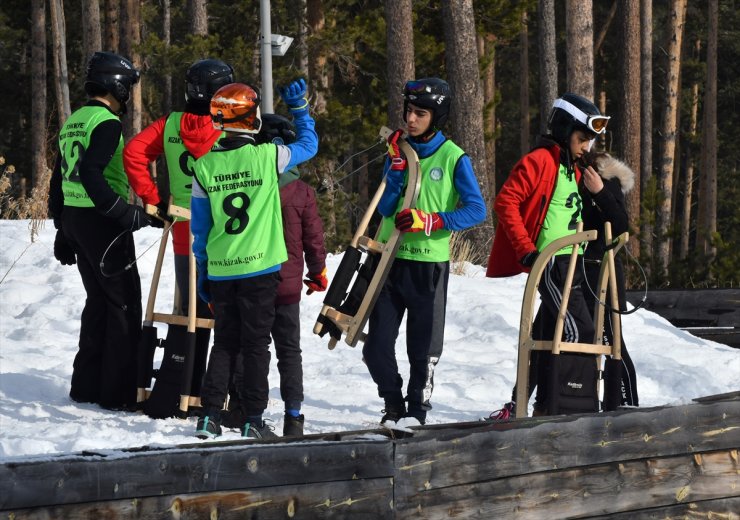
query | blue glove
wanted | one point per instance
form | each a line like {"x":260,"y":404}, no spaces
{"x":294,"y":95}
{"x":204,"y":286}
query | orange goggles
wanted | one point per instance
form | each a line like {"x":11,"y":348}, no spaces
{"x":596,"y":124}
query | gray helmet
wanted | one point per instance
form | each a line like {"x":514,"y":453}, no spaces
{"x":571,"y":112}
{"x":430,"y":93}
{"x":113,"y":74}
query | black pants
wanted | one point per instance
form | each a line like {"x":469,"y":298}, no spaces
{"x":244,"y":313}
{"x":421,"y":289}
{"x":577,"y":327}
{"x":105,"y":365}
{"x":286,"y":333}
{"x":627,"y":385}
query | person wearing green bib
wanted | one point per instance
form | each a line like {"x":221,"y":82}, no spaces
{"x":87,"y":200}
{"x":239,"y":246}
{"x":539,"y":203}
{"x":449,"y":200}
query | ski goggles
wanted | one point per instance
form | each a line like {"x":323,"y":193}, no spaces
{"x":596,"y":124}
{"x":416,"y":87}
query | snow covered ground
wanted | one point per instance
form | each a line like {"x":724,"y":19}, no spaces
{"x":41,"y":301}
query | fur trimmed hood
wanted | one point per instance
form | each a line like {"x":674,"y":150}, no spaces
{"x":611,"y":168}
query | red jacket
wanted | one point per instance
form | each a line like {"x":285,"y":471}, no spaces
{"x":198,"y":136}
{"x":521,"y":206}
{"x":304,"y":233}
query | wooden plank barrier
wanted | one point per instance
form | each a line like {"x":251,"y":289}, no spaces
{"x":667,"y":462}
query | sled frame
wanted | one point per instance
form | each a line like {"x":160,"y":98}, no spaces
{"x":176,"y":318}
{"x":352,"y":326}
{"x":607,"y":275}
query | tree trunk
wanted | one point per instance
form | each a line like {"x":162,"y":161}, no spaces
{"x":198,"y":17}
{"x":524,"y":86}
{"x":487,"y":55}
{"x":38,"y":89}
{"x":317,"y":60}
{"x":112,"y":30}
{"x":461,"y":60}
{"x":628,"y":132}
{"x":689,"y":183}
{"x":579,"y":28}
{"x":708,"y":201}
{"x":61,"y":83}
{"x":605,"y":28}
{"x":548,"y":60}
{"x":646,"y":136}
{"x":668,"y":131}
{"x":131,"y":25}
{"x":302,"y":43}
{"x":167,"y":37}
{"x":92,"y":40}
{"x":399,"y":18}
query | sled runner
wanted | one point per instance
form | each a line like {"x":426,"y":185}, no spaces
{"x":573,"y":368}
{"x":177,"y":382}
{"x":356,"y":285}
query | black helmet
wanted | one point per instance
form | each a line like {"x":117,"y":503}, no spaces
{"x":113,"y":74}
{"x":571,"y":112}
{"x":276,"y":129}
{"x":205,"y":77}
{"x":430,"y":93}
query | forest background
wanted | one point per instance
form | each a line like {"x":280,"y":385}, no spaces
{"x":663,"y":71}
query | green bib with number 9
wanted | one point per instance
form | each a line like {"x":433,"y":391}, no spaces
{"x":179,"y":162}
{"x":242,"y":187}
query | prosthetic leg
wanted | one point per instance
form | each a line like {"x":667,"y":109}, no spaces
{"x":347,"y":309}
{"x":186,"y":344}
{"x":526,"y":342}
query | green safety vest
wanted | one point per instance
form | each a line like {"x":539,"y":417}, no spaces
{"x":436,"y":193}
{"x":563,"y":213}
{"x":74,"y":139}
{"x":179,"y":162}
{"x":242,"y":187}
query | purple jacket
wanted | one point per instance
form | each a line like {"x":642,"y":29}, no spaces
{"x":304,"y":233}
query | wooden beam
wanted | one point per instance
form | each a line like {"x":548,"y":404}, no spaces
{"x":582,"y":492}
{"x":200,"y":468}
{"x":369,"y":499}
{"x":455,"y":457}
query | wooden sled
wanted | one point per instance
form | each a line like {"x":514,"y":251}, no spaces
{"x":607,"y":275}
{"x":149,"y":339}
{"x":356,"y":285}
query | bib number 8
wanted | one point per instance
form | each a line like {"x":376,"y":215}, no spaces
{"x":235,"y":206}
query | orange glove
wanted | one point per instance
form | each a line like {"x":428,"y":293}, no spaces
{"x":398,"y":161}
{"x":415,"y":220}
{"x":316,"y":282}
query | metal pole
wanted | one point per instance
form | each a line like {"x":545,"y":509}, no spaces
{"x":266,"y":56}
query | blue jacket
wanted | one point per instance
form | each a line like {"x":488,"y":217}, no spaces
{"x":472,"y":209}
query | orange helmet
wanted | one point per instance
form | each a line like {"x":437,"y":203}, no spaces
{"x":236,"y":108}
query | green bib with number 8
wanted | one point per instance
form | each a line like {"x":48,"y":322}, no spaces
{"x":242,"y":187}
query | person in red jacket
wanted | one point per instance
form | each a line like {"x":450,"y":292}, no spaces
{"x":182,"y":137}
{"x":304,"y":236}
{"x":539,"y":203}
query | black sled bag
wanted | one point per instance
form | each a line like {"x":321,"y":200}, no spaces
{"x":164,"y":400}
{"x":573,"y":384}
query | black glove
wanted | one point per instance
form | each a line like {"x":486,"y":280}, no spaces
{"x":529,"y":259}
{"x":162,"y":209}
{"x":131,"y":216}
{"x":62,"y":250}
